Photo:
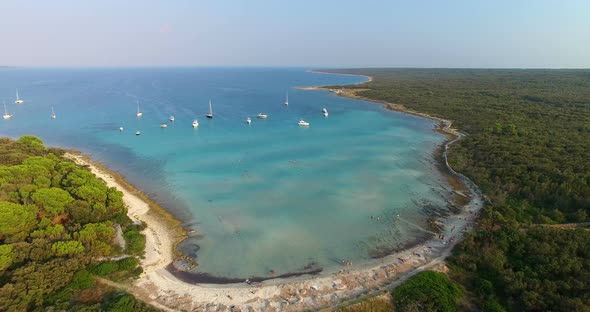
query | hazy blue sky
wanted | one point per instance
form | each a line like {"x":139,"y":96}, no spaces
{"x":420,"y":33}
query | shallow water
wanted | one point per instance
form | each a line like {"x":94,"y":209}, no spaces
{"x":267,"y":196}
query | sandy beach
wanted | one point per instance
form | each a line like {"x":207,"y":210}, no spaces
{"x":159,"y":241}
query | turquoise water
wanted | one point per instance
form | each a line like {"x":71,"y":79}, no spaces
{"x":269,"y":196}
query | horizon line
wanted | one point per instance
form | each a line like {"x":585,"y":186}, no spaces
{"x":275,"y":67}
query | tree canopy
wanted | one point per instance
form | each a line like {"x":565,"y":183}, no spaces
{"x":52,"y":200}
{"x":56,"y":220}
{"x":16,"y":220}
{"x":427,"y":291}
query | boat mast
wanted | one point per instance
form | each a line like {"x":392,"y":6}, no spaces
{"x":210,"y":108}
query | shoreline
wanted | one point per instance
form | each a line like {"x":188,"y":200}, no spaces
{"x":158,"y":286}
{"x":163,"y":231}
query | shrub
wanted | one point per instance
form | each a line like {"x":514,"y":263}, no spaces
{"x":427,"y":291}
{"x":135,"y":241}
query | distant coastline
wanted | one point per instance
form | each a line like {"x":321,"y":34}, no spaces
{"x":369,"y":78}
{"x":445,"y":128}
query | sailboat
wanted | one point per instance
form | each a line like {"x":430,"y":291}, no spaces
{"x":6,"y":114}
{"x":171,"y":118}
{"x":195,"y":123}
{"x":18,"y":100}
{"x":210,"y":114}
{"x":287,"y":99}
{"x":139,"y":113}
{"x":325,"y":112}
{"x":53,"y":115}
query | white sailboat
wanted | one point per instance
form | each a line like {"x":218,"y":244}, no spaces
{"x":163,"y":125}
{"x":53,"y":115}
{"x":248,"y":120}
{"x":139,"y":112}
{"x":210,"y":114}
{"x":262,"y":116}
{"x":325,"y":112}
{"x":287,"y":99}
{"x":18,"y":100}
{"x":6,"y":114}
{"x":195,"y":123}
{"x":171,"y":118}
{"x":303,"y":123}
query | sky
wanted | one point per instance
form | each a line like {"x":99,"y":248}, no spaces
{"x":303,"y":33}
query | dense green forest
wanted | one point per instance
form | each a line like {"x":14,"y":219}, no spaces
{"x":58,"y":224}
{"x":527,"y":148}
{"x":427,"y":291}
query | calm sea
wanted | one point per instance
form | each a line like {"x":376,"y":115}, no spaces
{"x":267,"y":196}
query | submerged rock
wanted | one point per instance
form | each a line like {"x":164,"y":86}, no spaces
{"x":182,"y":265}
